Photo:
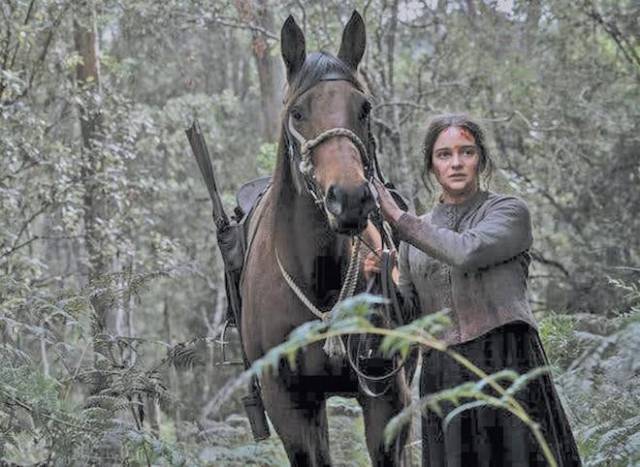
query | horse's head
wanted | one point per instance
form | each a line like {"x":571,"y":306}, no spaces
{"x":326,"y":126}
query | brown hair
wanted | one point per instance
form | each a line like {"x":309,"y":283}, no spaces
{"x":437,"y":125}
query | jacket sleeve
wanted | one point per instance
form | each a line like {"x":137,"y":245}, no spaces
{"x":503,"y":233}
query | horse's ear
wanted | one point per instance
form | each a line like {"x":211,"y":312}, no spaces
{"x":293,"y":47}
{"x":354,"y":40}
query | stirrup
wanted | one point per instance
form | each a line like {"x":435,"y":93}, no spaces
{"x":223,"y":346}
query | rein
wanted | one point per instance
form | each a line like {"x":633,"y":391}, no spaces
{"x":382,"y":382}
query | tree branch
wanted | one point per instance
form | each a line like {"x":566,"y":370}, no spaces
{"x":612,"y":30}
{"x":45,"y":49}
{"x":242,"y":25}
{"x":17,"y":247}
{"x":539,"y":257}
{"x":26,"y":21}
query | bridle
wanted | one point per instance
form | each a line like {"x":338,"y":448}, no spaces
{"x":300,"y":149}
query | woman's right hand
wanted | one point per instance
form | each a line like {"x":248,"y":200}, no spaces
{"x":388,"y":206}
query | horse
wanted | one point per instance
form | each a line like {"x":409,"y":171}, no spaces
{"x":319,"y":197}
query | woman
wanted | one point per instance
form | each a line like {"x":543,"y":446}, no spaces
{"x":469,"y":255}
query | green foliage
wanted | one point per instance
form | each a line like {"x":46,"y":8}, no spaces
{"x":66,"y":430}
{"x":599,"y":391}
{"x":142,"y":449}
{"x":267,"y":453}
{"x":31,"y":408}
{"x":346,"y":431}
{"x":631,"y":295}
{"x":558,"y":334}
{"x":266,"y":160}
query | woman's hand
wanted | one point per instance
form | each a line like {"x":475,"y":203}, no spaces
{"x":388,"y":206}
{"x":371,"y":264}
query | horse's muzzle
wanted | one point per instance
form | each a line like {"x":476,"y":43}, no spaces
{"x":349,"y":207}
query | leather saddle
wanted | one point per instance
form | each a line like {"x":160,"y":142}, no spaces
{"x":234,"y":239}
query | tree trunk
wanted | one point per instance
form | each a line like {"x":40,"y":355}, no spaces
{"x":534,"y":12}
{"x":400,"y":170}
{"x":172,"y":375}
{"x":471,"y":10}
{"x":95,"y":203}
{"x":270,"y":73}
{"x":235,"y":63}
{"x":245,"y":81}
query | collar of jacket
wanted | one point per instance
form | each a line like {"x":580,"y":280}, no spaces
{"x":451,"y":214}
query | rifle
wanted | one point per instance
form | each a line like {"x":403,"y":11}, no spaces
{"x":230,"y":238}
{"x":231,"y":245}
{"x":201,"y":152}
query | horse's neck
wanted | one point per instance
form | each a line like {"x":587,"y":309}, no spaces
{"x":312,"y":253}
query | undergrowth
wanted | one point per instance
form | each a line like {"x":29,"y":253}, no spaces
{"x":89,"y":403}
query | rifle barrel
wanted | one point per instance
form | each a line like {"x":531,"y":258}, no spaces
{"x":201,"y":153}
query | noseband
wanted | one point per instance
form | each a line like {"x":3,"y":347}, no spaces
{"x":307,"y":145}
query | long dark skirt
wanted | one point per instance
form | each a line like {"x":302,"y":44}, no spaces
{"x":488,"y":436}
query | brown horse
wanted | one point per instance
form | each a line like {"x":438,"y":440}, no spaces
{"x":319,"y":196}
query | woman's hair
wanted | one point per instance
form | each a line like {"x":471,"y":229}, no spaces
{"x":437,"y":125}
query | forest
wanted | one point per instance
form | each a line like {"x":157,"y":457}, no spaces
{"x":112,"y":296}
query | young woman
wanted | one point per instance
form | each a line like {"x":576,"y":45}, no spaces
{"x":469,"y":255}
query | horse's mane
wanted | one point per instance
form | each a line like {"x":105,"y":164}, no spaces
{"x":317,"y":67}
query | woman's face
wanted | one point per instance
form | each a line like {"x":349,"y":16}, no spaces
{"x":455,"y":161}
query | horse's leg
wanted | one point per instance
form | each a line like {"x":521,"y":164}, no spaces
{"x":377,"y":412}
{"x":300,"y":419}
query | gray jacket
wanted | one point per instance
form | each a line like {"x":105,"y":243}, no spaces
{"x":471,"y":258}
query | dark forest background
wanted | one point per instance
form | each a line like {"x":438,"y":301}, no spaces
{"x":111,"y":284}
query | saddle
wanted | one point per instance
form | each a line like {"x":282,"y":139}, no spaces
{"x":234,"y":240}
{"x":249,"y":194}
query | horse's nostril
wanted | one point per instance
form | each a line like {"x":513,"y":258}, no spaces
{"x":351,"y":206}
{"x":366,"y":193}
{"x":368,"y":202}
{"x":331,"y":192}
{"x":332,"y":200}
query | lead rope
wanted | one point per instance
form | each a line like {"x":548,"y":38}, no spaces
{"x":333,"y":346}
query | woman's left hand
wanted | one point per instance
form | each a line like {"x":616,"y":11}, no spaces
{"x":388,"y":206}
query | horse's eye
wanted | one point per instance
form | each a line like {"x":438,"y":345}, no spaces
{"x":296,"y":114}
{"x":365,"y":110}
